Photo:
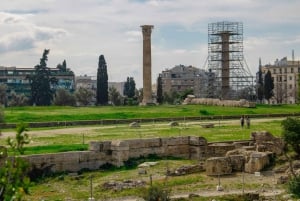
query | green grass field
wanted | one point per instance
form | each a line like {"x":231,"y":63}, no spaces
{"x":66,"y":187}
{"x":56,"y":113}
{"x":63,"y":139}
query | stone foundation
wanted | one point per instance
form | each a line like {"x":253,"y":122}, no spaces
{"x":117,"y":152}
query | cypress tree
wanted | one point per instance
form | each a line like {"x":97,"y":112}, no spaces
{"x":268,"y":86}
{"x":102,"y":82}
{"x":260,"y":87}
{"x":159,"y":92}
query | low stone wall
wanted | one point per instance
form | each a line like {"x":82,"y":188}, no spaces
{"x":119,"y":151}
{"x":67,"y":161}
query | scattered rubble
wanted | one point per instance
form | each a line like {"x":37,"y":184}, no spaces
{"x":126,"y":184}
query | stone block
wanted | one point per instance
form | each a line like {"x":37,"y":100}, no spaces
{"x":218,"y":166}
{"x":118,"y":145}
{"x":174,"y":141}
{"x":144,"y":143}
{"x":257,"y":161}
{"x":237,"y":162}
{"x":180,"y":151}
{"x":197,"y":141}
{"x":100,"y":146}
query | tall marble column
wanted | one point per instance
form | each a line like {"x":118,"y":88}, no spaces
{"x":147,"y":86}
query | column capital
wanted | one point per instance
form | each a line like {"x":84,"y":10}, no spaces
{"x":147,"y":29}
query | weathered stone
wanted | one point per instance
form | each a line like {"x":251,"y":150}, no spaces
{"x":237,"y":162}
{"x":174,"y":141}
{"x":256,"y":162}
{"x":99,"y":146}
{"x":197,"y":141}
{"x":173,"y":123}
{"x":208,"y":125}
{"x":265,"y":141}
{"x":218,"y":166}
{"x":187,"y":169}
{"x":218,"y":102}
{"x":283,"y":179}
{"x":134,"y":125}
{"x":219,"y":149}
{"x":142,"y":171}
{"x":126,"y":184}
{"x":281,"y":169}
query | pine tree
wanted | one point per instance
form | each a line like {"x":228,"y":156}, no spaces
{"x":102,"y":82}
{"x":268,"y":86}
{"x":41,"y":92}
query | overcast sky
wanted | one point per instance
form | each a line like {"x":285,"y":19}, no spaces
{"x":79,"y":31}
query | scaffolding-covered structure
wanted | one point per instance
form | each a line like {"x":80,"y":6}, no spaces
{"x":233,"y":79}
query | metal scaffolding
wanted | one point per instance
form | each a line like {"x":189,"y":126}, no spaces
{"x":233,"y":79}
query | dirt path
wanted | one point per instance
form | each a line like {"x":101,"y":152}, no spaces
{"x":89,"y":129}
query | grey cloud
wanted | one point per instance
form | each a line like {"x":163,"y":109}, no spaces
{"x":16,"y":42}
{"x":34,"y":11}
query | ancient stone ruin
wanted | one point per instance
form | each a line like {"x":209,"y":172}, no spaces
{"x":218,"y":102}
{"x":227,"y":157}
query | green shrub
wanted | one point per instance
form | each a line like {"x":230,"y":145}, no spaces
{"x":204,"y":112}
{"x":294,"y":186}
{"x":157,"y":193}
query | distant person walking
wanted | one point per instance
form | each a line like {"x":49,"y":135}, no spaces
{"x":242,"y":121}
{"x":248,"y":122}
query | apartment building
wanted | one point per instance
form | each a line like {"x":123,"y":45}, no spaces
{"x":285,"y":74}
{"x":181,"y":78}
{"x":16,"y":79}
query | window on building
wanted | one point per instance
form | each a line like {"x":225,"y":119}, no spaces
{"x":274,"y":71}
{"x":10,"y":72}
{"x":292,"y":70}
{"x":291,"y":86}
{"x":285,"y":71}
{"x":280,"y":70}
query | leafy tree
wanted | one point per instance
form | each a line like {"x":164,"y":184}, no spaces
{"x":84,"y":96}
{"x":291,"y":136}
{"x":185,"y":93}
{"x":63,"y":97}
{"x":172,"y":97}
{"x":22,"y":138}
{"x":298,"y":92}
{"x":129,"y":87}
{"x":18,"y":100}
{"x":114,"y":96}
{"x":41,"y":92}
{"x":268,"y":86}
{"x":159,"y":91}
{"x":1,"y":117}
{"x":62,"y":67}
{"x":14,"y":182}
{"x":3,"y":97}
{"x":260,"y":86}
{"x":102,"y":82}
{"x":291,"y":133}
